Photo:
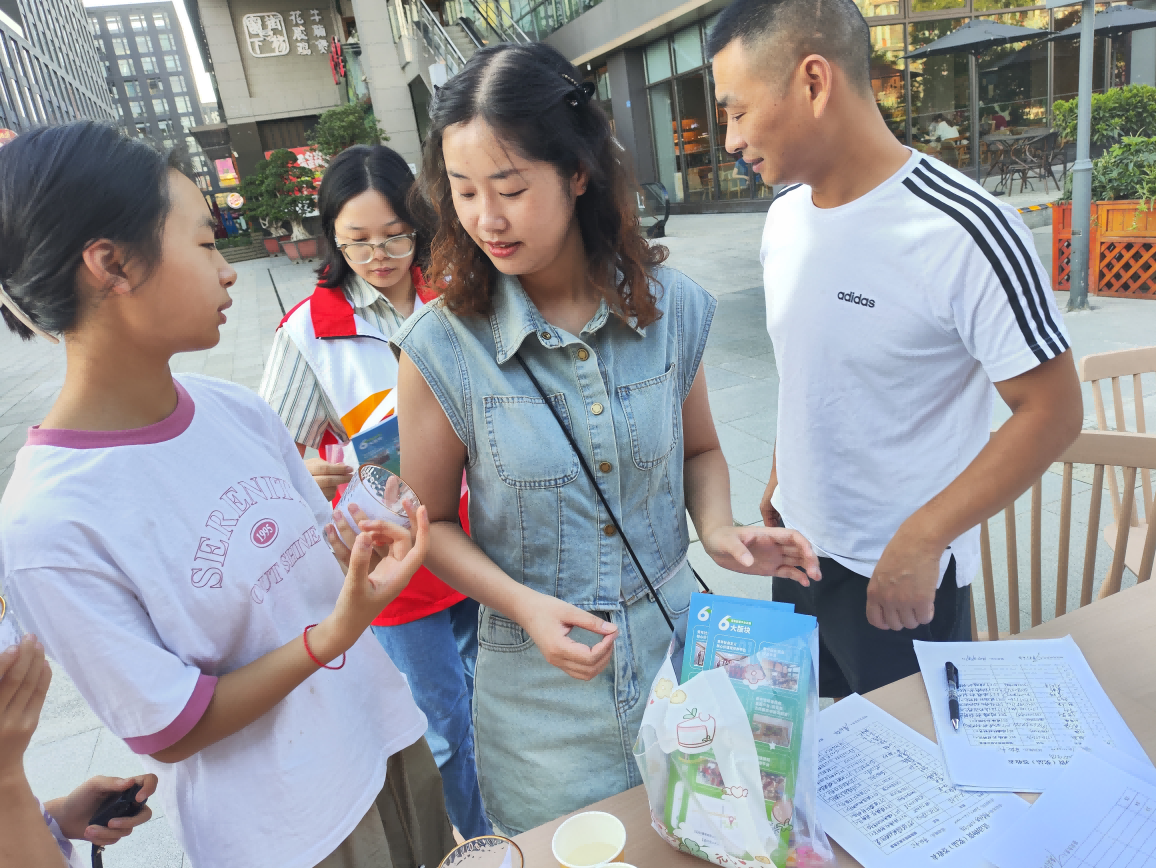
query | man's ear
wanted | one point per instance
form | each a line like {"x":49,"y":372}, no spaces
{"x":104,"y":266}
{"x":817,"y":77}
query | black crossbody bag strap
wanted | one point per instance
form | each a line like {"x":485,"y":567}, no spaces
{"x":602,"y":497}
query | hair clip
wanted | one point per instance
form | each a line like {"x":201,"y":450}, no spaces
{"x":582,"y":92}
{"x":7,"y":301}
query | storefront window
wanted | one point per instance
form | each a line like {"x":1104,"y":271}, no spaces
{"x":687,"y":49}
{"x":938,"y":84}
{"x":658,"y":61}
{"x":1013,"y":79}
{"x":876,"y":8}
{"x":887,"y":77}
{"x":602,"y":94}
{"x":918,"y":6}
{"x":695,"y":128}
{"x":662,"y":127}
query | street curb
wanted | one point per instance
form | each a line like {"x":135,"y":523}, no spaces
{"x":1035,"y":216}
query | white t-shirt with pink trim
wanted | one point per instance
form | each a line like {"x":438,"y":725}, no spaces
{"x":151,"y":562}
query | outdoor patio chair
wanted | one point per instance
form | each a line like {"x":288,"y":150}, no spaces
{"x":1103,"y":450}
{"x":1095,"y":369}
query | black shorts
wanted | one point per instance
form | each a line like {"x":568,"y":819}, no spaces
{"x":855,"y":657}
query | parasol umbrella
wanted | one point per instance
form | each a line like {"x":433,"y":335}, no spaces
{"x":974,"y":37}
{"x":1113,"y":21}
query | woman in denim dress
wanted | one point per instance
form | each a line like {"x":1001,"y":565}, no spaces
{"x":538,"y":244}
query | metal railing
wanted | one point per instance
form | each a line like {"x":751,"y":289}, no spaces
{"x":437,"y":40}
{"x":498,"y":18}
{"x":543,"y":17}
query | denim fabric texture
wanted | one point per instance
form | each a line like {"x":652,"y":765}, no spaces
{"x":438,"y":654}
{"x":548,"y":744}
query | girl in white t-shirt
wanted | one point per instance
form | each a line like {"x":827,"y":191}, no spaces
{"x":163,"y":539}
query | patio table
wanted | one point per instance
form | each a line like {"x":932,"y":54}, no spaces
{"x":1008,"y":153}
{"x":1115,"y":635}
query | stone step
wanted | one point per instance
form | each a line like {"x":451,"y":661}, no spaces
{"x":244,"y":254}
{"x":461,"y":40}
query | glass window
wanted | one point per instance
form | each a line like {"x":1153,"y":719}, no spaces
{"x":166,"y":127}
{"x":695,"y":134}
{"x":1013,"y":79}
{"x":156,"y":86}
{"x":112,"y":22}
{"x":160,"y":107}
{"x":137,"y":108}
{"x":657,"y":61}
{"x":107,"y":69}
{"x":138,"y":23}
{"x":132,"y":88}
{"x":183,"y":104}
{"x":120,"y":46}
{"x":939,"y":85}
{"x":94,"y":25}
{"x":172,"y":63}
{"x":126,"y":67}
{"x":161,"y":20}
{"x":144,"y":45}
{"x":177,"y":83}
{"x":887,"y":77}
{"x":877,"y":8}
{"x":166,"y":42}
{"x":665,"y":136}
{"x":192,"y":145}
{"x":148,"y":64}
{"x":142,"y":130}
{"x":687,"y":49}
{"x":936,"y":5}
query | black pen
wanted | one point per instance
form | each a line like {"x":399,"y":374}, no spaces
{"x":953,"y":694}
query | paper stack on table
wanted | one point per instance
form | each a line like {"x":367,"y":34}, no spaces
{"x":885,"y":797}
{"x":1026,"y":707}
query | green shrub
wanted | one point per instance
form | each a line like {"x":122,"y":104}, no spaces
{"x":279,"y":191}
{"x":1119,"y":113}
{"x":1126,"y":171}
{"x":345,"y":126}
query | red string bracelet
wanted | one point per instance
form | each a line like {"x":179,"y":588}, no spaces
{"x":305,"y":640}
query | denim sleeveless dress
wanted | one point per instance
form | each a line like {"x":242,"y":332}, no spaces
{"x":546,"y":743}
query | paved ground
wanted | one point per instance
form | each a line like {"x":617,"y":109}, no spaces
{"x":719,"y":251}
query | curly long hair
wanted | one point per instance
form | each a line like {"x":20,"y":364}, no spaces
{"x":531,"y":97}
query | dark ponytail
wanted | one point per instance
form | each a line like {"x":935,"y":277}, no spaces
{"x":61,"y":188}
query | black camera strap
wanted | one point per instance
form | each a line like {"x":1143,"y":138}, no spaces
{"x":602,"y":497}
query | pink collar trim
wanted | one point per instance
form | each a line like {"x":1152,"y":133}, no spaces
{"x":173,"y":426}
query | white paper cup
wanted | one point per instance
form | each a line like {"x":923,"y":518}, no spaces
{"x":589,"y":839}
{"x":380,"y":495}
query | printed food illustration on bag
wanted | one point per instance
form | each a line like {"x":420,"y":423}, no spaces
{"x":731,"y":773}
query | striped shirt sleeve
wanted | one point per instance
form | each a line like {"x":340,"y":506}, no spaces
{"x":290,"y":387}
{"x":1001,"y":296}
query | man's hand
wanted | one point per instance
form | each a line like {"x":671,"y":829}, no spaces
{"x":328,"y":476}
{"x":771,"y":517}
{"x":73,"y":812}
{"x":901,"y":593}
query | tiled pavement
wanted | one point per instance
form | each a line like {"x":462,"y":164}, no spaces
{"x":719,"y":251}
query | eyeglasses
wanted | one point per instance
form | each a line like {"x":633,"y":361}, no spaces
{"x":395,"y":247}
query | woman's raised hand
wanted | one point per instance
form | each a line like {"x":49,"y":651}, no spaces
{"x":764,"y":551}
{"x":549,"y":621}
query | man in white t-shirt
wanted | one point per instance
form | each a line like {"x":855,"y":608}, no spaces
{"x":898,"y":293}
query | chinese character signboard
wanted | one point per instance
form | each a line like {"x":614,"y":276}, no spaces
{"x":268,"y":36}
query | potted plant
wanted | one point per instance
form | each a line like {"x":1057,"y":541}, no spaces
{"x":1122,"y":241}
{"x":280,"y":191}
{"x":343,"y":127}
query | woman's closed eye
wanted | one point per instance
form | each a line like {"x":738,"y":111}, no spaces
{"x":513,"y":195}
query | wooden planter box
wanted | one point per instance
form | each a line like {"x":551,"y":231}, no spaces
{"x":1121,"y":249}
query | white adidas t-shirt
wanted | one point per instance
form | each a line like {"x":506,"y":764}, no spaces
{"x":152,"y":561}
{"x":891,"y":317}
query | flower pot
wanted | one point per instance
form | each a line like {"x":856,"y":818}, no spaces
{"x":308,"y":248}
{"x":273,"y":245}
{"x":1121,"y":249}
{"x":290,"y":248}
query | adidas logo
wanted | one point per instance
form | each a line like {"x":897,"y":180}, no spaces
{"x":857,"y":299}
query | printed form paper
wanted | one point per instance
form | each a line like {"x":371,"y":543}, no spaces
{"x":1096,"y":815}
{"x":1026,"y":705}
{"x":886,"y":798}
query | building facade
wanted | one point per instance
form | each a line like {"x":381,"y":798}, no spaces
{"x":49,"y":72}
{"x":150,"y":79}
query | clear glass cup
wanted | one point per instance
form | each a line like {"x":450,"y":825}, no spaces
{"x":488,"y":851}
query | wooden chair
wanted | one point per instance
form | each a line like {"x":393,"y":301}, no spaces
{"x":1101,"y":449}
{"x":1113,"y":366}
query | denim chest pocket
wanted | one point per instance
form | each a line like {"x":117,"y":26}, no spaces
{"x":650,"y":407}
{"x":528,"y":449}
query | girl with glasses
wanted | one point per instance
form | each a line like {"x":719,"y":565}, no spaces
{"x":163,"y":539}
{"x":331,"y":375}
{"x":557,"y":313}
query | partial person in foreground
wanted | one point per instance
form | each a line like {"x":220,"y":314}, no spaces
{"x":555,"y":297}
{"x":331,"y":375}
{"x":901,"y":297}
{"x":164,"y":540}
{"x":40,"y":836}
